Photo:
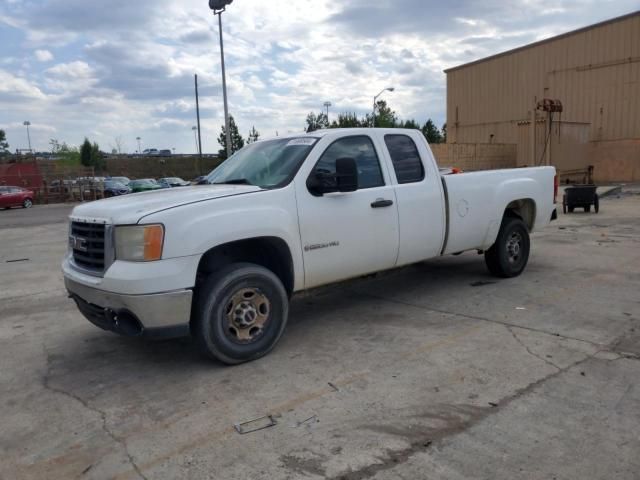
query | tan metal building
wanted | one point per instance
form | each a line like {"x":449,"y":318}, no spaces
{"x":595,"y":74}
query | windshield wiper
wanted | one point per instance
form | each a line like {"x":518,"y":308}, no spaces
{"x":235,"y":181}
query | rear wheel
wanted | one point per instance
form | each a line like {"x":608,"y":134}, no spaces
{"x":596,"y":204}
{"x":27,"y":203}
{"x":240,"y":313}
{"x":510,"y":253}
{"x":587,"y":209}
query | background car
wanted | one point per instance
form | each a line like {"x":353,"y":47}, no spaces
{"x":173,"y":182}
{"x":114,"y":189}
{"x":201,"y":180}
{"x":143,"y":185}
{"x":15,"y":197}
{"x":122,"y":180}
{"x":164,"y":153}
{"x":150,"y":151}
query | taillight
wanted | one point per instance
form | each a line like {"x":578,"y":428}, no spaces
{"x":555,"y":189}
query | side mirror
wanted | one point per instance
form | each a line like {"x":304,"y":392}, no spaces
{"x":346,"y":175}
{"x":344,"y":180}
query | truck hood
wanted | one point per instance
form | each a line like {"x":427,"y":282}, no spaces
{"x":129,"y":209}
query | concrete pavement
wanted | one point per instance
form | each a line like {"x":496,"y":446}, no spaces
{"x":434,"y":371}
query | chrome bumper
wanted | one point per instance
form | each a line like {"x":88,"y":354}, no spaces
{"x":160,"y":314}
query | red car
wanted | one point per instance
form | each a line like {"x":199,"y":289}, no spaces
{"x":15,"y":197}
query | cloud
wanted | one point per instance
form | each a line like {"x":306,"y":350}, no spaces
{"x":125,"y":68}
{"x":43,"y":55}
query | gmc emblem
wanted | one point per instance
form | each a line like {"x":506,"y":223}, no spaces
{"x":78,"y":243}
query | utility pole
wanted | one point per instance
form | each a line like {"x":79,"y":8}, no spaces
{"x":219,"y":6}
{"x":26,"y":124}
{"x":199,"y":141}
{"x":327,"y":105}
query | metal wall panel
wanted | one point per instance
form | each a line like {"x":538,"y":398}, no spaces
{"x":595,"y":72}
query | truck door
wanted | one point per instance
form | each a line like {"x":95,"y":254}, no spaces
{"x":350,"y":234}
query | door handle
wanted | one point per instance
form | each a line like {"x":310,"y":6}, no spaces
{"x":381,"y":203}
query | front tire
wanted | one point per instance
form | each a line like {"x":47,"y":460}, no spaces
{"x":509,"y":255}
{"x":27,"y":203}
{"x":240,"y":313}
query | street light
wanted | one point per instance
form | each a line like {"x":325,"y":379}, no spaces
{"x":373,"y":116}
{"x":219,"y":6}
{"x":327,"y":105}
{"x":195,"y":135}
{"x":26,"y":123}
{"x":139,"y":149}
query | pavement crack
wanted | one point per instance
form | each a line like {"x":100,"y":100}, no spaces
{"x":46,"y":383}
{"x":531,"y":352}
{"x":394,"y":458}
{"x":476,"y":317}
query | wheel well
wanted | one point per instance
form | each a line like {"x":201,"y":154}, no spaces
{"x":271,"y":253}
{"x":524,"y":209}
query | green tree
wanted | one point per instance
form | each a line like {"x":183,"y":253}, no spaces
{"x":444,"y":132}
{"x":4,"y":145}
{"x":412,"y":124}
{"x":316,"y":122}
{"x":347,"y":120}
{"x":96,"y":156}
{"x":254,"y":135}
{"x":385,"y":117}
{"x":431,"y":132}
{"x":69,"y":156}
{"x":85,"y":153}
{"x":237,"y":142}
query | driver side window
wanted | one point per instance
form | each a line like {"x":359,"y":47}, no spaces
{"x":361,"y":149}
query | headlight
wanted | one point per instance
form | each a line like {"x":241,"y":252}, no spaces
{"x":139,"y":243}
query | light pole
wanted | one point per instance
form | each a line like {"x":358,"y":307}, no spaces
{"x":26,"y":123}
{"x":195,"y":136}
{"x":375,"y":99}
{"x":327,"y":105}
{"x":139,"y":148}
{"x":219,"y":6}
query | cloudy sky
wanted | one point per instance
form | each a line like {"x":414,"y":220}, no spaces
{"x":124,"y":68}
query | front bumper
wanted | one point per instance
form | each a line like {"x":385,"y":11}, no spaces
{"x":150,"y":315}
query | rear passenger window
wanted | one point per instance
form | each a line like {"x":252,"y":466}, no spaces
{"x":405,"y":158}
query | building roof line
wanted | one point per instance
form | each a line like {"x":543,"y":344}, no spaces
{"x":545,"y":40}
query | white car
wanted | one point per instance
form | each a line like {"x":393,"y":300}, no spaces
{"x":221,"y":261}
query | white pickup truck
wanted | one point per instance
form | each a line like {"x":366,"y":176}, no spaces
{"x":221,"y":261}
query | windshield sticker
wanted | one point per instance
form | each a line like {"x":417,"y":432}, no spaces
{"x":302,"y":141}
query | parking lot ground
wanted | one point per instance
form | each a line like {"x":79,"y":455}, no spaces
{"x":437,"y":371}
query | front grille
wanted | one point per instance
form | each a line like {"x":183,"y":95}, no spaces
{"x":87,"y":241}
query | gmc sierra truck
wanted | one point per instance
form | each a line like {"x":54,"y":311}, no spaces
{"x":221,"y":261}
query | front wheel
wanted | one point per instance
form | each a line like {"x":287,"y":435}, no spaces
{"x":240,"y":313}
{"x":510,"y":253}
{"x":27,"y":203}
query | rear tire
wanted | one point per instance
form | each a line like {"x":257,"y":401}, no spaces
{"x":509,"y":255}
{"x":596,"y":204}
{"x":240,"y":313}
{"x":587,"y":209}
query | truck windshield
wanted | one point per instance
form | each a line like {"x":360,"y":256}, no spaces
{"x":266,"y":164}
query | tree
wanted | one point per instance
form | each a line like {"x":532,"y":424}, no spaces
{"x":254,"y":135}
{"x":412,"y":124}
{"x":316,"y":122}
{"x":431,"y":132}
{"x":237,"y":142}
{"x":117,"y":145}
{"x":90,"y":155}
{"x":385,"y":117}
{"x":347,"y":120}
{"x":85,"y":153}
{"x":55,"y":145}
{"x":4,"y":145}
{"x":444,"y":132}
{"x":69,"y":156}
